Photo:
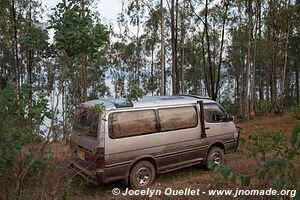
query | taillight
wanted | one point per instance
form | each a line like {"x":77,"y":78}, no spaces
{"x":97,"y":157}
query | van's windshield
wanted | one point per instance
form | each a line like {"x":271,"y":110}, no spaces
{"x":86,"y":122}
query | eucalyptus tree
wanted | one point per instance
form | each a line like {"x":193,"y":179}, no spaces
{"x":151,"y":40}
{"x":79,"y":40}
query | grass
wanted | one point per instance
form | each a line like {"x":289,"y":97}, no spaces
{"x":58,"y":182}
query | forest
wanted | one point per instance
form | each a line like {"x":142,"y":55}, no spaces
{"x":245,"y":54}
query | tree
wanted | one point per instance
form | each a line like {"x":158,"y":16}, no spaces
{"x":77,"y":43}
{"x":162,"y":49}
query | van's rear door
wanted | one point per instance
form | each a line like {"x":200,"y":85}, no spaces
{"x":87,"y":143}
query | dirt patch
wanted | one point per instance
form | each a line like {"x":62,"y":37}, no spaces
{"x":60,"y":150}
{"x":281,"y":123}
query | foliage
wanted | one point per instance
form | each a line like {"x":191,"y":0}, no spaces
{"x":67,"y":190}
{"x":79,"y":46}
{"x":296,"y":111}
{"x":230,"y":106}
{"x":16,"y":135}
{"x":264,"y":107}
{"x":36,"y":173}
{"x":274,"y":155}
{"x":135,"y":93}
{"x":74,"y":29}
{"x":230,"y":174}
{"x":35,"y":39}
{"x":99,"y":109}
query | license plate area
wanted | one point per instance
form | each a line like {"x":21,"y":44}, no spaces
{"x":81,"y":154}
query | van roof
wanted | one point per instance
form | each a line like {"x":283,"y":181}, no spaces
{"x":147,"y":101}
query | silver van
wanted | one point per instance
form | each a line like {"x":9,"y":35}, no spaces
{"x":134,"y":141}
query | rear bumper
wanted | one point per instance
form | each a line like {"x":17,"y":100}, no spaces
{"x":87,"y":170}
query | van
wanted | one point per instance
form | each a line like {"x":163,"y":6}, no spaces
{"x":134,"y":141}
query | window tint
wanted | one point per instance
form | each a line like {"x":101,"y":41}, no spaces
{"x":177,"y":118}
{"x":125,"y":124}
{"x":213,"y":113}
{"x":86,"y":122}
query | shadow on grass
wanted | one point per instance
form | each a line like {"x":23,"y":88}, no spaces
{"x":85,"y":188}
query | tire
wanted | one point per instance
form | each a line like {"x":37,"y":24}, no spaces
{"x":216,"y":155}
{"x":142,"y":175}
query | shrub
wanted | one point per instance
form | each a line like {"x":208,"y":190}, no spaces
{"x":296,"y":111}
{"x":274,"y":156}
{"x":229,"y":105}
{"x":19,"y":124}
{"x":264,"y":107}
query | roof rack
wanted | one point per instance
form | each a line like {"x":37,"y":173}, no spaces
{"x":120,"y":104}
{"x":195,"y":96}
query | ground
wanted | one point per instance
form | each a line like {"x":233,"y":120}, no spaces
{"x":60,"y":183}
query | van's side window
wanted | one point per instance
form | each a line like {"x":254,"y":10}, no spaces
{"x":124,"y":124}
{"x":177,"y":118}
{"x":213,"y":113}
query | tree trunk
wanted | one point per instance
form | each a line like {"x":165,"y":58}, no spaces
{"x":221,"y":48}
{"x":174,"y":50}
{"x":273,"y":72}
{"x":15,"y":43}
{"x":84,"y":78}
{"x":248,"y":63}
{"x":282,"y":95}
{"x":162,"y":44}
{"x":173,"y":47}
{"x":206,"y":81}
{"x":176,"y":53}
{"x":297,"y":80}
{"x":253,"y":83}
{"x":237,"y":91}
{"x":152,"y":68}
{"x":182,"y":40}
{"x":212,"y":81}
{"x":64,"y":64}
{"x":261,"y":73}
{"x":29,"y":72}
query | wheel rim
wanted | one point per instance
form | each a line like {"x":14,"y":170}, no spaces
{"x":143,"y":176}
{"x":216,"y":157}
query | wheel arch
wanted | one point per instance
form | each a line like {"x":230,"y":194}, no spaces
{"x":219,"y":144}
{"x":148,"y":158}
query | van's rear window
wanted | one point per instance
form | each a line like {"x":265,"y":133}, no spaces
{"x":86,"y":122}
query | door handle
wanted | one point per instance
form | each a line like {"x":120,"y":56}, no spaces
{"x":206,"y":128}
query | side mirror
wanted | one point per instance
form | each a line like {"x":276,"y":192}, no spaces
{"x":224,"y":118}
{"x":230,"y":118}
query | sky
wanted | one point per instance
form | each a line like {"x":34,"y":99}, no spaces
{"x":108,"y":9}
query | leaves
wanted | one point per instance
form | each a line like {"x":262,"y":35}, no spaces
{"x":295,"y":137}
{"x":245,"y":180}
{"x":229,"y":173}
{"x":135,"y":93}
{"x":75,"y":31}
{"x":99,"y":109}
{"x":275,"y":160}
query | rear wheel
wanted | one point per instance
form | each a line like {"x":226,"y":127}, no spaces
{"x":142,"y":175}
{"x":216,"y":155}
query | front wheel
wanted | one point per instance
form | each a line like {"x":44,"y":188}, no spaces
{"x":215,"y":155}
{"x":142,"y":175}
